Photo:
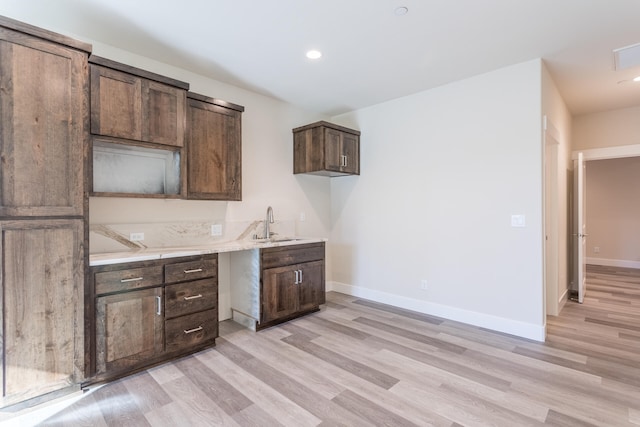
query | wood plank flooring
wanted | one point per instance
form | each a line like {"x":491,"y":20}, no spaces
{"x":360,"y":363}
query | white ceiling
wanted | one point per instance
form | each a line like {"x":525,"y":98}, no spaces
{"x":370,"y":54}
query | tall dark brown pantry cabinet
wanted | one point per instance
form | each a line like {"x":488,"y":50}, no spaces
{"x":43,"y":132}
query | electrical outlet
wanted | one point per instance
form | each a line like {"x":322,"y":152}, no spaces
{"x":136,"y":237}
{"x":596,"y":249}
{"x":216,"y":229}
{"x":303,"y":217}
{"x":423,"y":285}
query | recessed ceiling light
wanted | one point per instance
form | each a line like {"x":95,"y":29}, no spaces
{"x":402,"y":10}
{"x":314,"y":54}
{"x":636,"y":79}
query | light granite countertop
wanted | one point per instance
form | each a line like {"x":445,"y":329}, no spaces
{"x":144,"y":254}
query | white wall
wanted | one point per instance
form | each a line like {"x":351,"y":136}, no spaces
{"x":442,"y":173}
{"x":557,"y":113}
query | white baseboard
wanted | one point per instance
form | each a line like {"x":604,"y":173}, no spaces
{"x":563,"y":299}
{"x":614,"y":262}
{"x":500,"y":324}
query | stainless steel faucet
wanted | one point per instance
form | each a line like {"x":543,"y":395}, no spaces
{"x":267,"y":221}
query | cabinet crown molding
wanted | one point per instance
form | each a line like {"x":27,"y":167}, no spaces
{"x":215,"y":101}
{"x":327,"y":125}
{"x":104,"y":62}
{"x":44,"y":34}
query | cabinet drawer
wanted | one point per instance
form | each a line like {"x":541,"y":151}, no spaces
{"x":126,"y":279}
{"x":189,"y":297}
{"x":190,"y":270}
{"x":287,"y":255}
{"x":190,"y":331}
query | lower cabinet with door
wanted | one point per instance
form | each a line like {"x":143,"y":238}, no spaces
{"x":142,"y":313}
{"x":41,"y":307}
{"x":289,"y":282}
{"x":292,"y":281}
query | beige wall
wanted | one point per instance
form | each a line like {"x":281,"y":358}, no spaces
{"x":267,"y":158}
{"x":267,"y":171}
{"x":606,"y":129}
{"x":611,"y":185}
{"x":267,"y":163}
{"x":267,"y":142}
{"x":559,"y":123}
{"x":613,"y":212}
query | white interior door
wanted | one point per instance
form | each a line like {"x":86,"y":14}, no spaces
{"x":580,"y":234}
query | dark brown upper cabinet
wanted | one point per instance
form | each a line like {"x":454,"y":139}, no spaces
{"x":214,"y":149}
{"x":138,"y":121}
{"x":138,"y":105}
{"x":323,"y":148}
{"x":43,"y":129}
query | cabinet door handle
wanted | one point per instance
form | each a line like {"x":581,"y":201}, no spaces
{"x":190,"y":331}
{"x":196,"y":270}
{"x":193,"y":297}
{"x":158,"y":305}
{"x":296,"y":273}
{"x":343,"y":160}
{"x":135,"y":279}
{"x":300,"y":275}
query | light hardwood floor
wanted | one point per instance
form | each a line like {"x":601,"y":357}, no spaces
{"x":362,"y":363}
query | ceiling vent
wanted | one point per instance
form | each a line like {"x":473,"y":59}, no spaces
{"x":626,"y":57}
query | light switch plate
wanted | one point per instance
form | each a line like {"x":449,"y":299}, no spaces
{"x":518,"y":221}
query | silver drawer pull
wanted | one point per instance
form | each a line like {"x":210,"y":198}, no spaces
{"x":193,"y":297}
{"x":196,"y":270}
{"x":190,"y":331}
{"x":158,"y":305}
{"x":135,"y":279}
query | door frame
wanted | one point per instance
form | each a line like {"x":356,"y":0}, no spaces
{"x":578,"y":242}
{"x":551,"y":219}
{"x":616,"y":152}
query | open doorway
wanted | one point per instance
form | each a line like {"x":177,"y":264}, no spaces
{"x":612,"y":208}
{"x":613,"y":212}
{"x":579,"y":231}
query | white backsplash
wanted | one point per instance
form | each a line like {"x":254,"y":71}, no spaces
{"x":105,"y":238}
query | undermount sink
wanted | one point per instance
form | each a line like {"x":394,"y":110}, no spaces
{"x":277,"y":239}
